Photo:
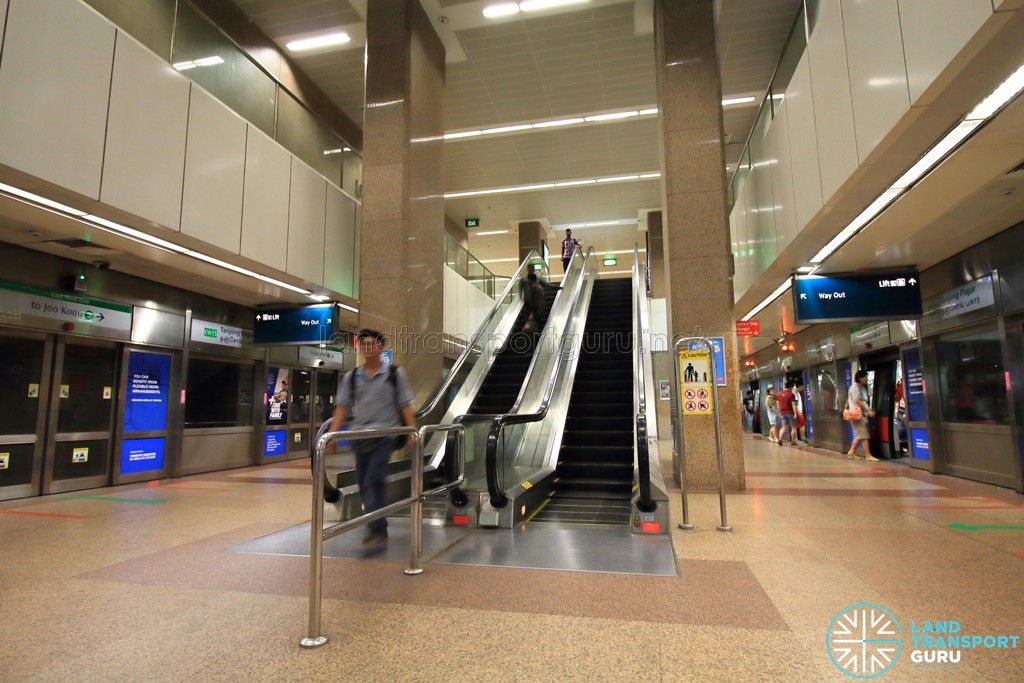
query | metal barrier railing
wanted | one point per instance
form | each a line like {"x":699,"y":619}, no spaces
{"x":710,"y":346}
{"x":318,"y":534}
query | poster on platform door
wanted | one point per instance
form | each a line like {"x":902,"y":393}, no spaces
{"x":146,"y":406}
{"x":277,"y":396}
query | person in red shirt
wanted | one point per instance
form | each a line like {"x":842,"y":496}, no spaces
{"x":787,"y":413}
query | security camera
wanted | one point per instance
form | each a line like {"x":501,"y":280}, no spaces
{"x":102,"y":265}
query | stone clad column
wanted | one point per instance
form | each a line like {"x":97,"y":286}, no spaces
{"x":402,"y":235}
{"x":698,"y":263}
{"x":531,"y":234}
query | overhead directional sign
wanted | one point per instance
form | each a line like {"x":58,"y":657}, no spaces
{"x":315,"y":324}
{"x":887,"y":295}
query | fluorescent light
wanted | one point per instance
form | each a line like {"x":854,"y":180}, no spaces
{"x":319,"y":297}
{"x":618,"y":179}
{"x":285,"y":285}
{"x":138,"y":235}
{"x":648,"y":112}
{"x":806,"y":270}
{"x":573,"y":183}
{"x":502,"y":10}
{"x":464,"y":134}
{"x":932,"y":156}
{"x":1006,"y":91}
{"x":600,"y":223}
{"x":534,"y":5}
{"x":865,"y":217}
{"x":737,"y":100}
{"x":768,"y":299}
{"x":18,"y":192}
{"x":539,"y":186}
{"x":561,"y":122}
{"x":491,"y":232}
{"x":612,"y":117}
{"x":349,"y":308}
{"x":644,"y":176}
{"x":202,"y":61}
{"x":506,"y":129}
{"x":338,"y":38}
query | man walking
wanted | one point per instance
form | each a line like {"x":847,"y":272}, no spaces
{"x":377,"y":397}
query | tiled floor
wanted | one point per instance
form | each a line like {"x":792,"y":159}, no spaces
{"x":136,"y":583}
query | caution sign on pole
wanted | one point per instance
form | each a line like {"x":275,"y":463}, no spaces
{"x":695,"y":392}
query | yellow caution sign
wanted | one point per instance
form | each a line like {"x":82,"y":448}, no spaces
{"x":695,"y":397}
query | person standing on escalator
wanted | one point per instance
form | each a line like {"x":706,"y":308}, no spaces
{"x":534,"y":305}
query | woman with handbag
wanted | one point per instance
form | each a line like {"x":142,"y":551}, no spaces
{"x":857,"y":412}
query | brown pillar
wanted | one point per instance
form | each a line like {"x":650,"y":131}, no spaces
{"x":402,"y":236}
{"x":656,"y":253}
{"x":531,"y":234}
{"x":698,"y":264}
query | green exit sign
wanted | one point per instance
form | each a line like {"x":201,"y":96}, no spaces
{"x":472,"y":222}
{"x":209,"y":332}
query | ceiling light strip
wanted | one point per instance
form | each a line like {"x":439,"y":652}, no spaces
{"x":768,"y":299}
{"x":550,"y":186}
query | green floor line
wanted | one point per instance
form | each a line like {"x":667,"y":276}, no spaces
{"x":980,"y":527}
{"x":146,"y":501}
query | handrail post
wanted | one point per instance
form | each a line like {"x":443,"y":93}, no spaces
{"x":316,"y":547}
{"x":677,"y":436}
{"x":416,"y":511}
{"x":724,"y":526}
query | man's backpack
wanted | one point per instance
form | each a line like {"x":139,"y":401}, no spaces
{"x":403,"y":439}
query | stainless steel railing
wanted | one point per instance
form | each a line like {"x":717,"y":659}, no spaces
{"x":318,"y":534}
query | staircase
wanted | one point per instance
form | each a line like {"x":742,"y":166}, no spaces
{"x":594,"y":478}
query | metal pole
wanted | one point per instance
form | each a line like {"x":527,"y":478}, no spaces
{"x":677,"y":433}
{"x":724,"y":526}
{"x":416,"y":512}
{"x":316,"y":546}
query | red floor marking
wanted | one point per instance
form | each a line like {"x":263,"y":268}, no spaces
{"x":52,"y":515}
{"x":153,"y":484}
{"x":1020,"y":555}
{"x":959,"y":507}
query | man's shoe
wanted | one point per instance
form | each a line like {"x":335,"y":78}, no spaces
{"x":872,"y":458}
{"x":375,"y":536}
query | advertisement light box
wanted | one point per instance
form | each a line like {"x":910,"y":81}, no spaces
{"x":314,"y":324}
{"x":888,"y":295}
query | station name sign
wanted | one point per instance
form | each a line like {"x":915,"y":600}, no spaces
{"x":883,"y":295}
{"x":314,"y":324}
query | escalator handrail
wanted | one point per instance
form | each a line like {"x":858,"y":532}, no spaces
{"x":644,"y":503}
{"x":442,"y":388}
{"x":498,"y":422}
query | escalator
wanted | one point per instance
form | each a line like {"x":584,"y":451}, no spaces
{"x":504,"y":382}
{"x":593,"y":480}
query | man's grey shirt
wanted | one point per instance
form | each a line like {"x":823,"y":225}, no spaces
{"x":375,"y":399}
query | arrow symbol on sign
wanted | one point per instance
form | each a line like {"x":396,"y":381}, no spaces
{"x":99,"y":316}
{"x":803,"y":296}
{"x":913,"y":281}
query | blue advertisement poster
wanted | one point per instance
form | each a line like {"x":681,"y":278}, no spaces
{"x":277,"y":396}
{"x":148,"y":378}
{"x":719,"y":344}
{"x":276,"y":443}
{"x":916,"y":411}
{"x":919,"y":444}
{"x":142,"y":455}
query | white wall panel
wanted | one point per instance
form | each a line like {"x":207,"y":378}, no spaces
{"x":144,"y":161}
{"x":833,"y":105}
{"x":803,"y":145}
{"x":878,"y":73}
{"x":306,"y":223}
{"x":451,"y":301}
{"x":753,"y":230}
{"x":340,"y":242}
{"x":782,"y":180}
{"x":265,"y":204}
{"x":933,"y":32}
{"x":54,"y":90}
{"x":211,"y":207}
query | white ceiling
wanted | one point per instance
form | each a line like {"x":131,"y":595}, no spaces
{"x":573,"y":61}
